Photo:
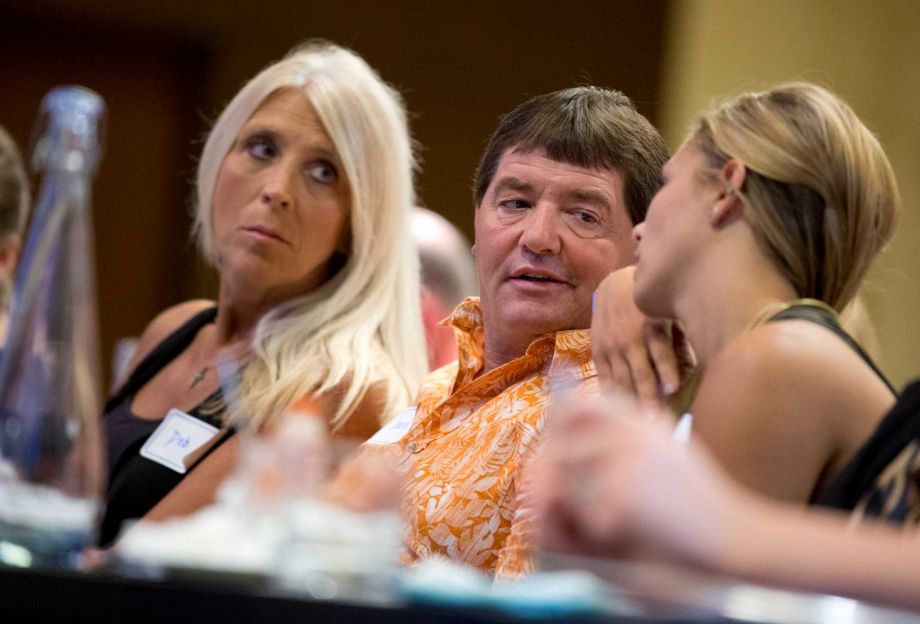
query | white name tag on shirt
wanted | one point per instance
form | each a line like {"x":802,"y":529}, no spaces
{"x":177,"y":437}
{"x":394,"y":430}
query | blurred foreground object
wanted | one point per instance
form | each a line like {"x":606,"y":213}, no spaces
{"x":278,"y":521}
{"x":50,"y":478}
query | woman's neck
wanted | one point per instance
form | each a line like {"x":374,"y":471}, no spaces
{"x":715,"y":315}
{"x":238,"y":315}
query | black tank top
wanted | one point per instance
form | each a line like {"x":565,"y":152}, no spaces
{"x":136,"y":483}
{"x":826,"y":318}
{"x":883,"y":478}
{"x":845,"y":488}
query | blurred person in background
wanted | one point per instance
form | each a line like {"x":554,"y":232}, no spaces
{"x":448,"y":277}
{"x":15,"y":201}
{"x":304,"y":193}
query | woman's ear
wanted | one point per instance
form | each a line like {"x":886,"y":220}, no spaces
{"x":733,"y":174}
{"x":732,"y":179}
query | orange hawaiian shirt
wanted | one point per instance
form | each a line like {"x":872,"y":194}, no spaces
{"x":470,"y":440}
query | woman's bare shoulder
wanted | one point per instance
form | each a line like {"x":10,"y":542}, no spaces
{"x":163,"y":324}
{"x":785,"y":395}
{"x":757,"y":378}
{"x":803,"y":356}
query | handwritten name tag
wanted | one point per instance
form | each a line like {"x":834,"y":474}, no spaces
{"x":394,"y":430}
{"x":177,"y":439}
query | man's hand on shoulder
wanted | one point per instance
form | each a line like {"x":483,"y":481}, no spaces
{"x":633,"y":353}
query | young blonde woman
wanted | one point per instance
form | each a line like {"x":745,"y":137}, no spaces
{"x":769,"y":216}
{"x":304,"y":191}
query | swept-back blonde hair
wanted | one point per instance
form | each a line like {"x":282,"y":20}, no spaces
{"x":362,"y":327}
{"x":819,"y":191}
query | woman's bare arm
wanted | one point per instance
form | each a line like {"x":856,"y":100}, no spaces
{"x":610,"y":482}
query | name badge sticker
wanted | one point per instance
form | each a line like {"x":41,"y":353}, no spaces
{"x":177,"y":437}
{"x":394,"y":430}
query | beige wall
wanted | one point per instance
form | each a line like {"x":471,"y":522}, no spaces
{"x":867,"y":51}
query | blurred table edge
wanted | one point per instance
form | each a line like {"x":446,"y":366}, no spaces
{"x":53,"y":596}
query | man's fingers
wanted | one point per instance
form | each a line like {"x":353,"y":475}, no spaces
{"x":605,"y":374}
{"x":686,"y":359}
{"x":621,"y":375}
{"x":663,"y":356}
{"x":643,"y":377}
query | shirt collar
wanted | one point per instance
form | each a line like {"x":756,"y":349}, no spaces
{"x":567,"y":348}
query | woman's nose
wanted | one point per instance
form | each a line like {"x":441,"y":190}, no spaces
{"x":277,"y":189}
{"x":637,"y":231}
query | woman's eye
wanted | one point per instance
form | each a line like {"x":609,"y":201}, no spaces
{"x":324,"y":172}
{"x":260,"y":148}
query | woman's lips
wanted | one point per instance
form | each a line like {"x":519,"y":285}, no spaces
{"x":264,"y":232}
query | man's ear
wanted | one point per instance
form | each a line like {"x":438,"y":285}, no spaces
{"x":732,"y":179}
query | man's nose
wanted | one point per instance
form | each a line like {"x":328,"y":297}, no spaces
{"x":541,"y":231}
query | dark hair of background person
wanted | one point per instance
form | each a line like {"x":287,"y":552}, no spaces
{"x":15,"y":200}
{"x":14,"y":187}
{"x":589,"y":127}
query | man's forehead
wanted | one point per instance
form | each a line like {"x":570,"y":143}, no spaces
{"x":521,"y":169}
{"x":518,"y":155}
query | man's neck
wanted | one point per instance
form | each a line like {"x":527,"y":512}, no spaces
{"x":499,"y":350}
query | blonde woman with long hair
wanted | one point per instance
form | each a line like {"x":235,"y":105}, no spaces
{"x":304,"y":192}
{"x":769,"y":217}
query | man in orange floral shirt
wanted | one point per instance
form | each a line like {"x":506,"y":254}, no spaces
{"x":560,"y":186}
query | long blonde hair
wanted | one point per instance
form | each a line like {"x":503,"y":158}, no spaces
{"x":363,"y":327}
{"x":819,"y":192}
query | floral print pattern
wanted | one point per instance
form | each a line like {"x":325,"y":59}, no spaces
{"x":472,"y":437}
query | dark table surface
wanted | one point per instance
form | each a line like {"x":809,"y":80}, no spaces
{"x":52,"y":596}
{"x":104,"y":596}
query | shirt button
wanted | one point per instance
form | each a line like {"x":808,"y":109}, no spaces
{"x":412,"y":447}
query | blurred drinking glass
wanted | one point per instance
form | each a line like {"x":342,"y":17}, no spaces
{"x":50,"y":449}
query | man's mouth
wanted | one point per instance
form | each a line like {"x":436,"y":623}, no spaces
{"x":537,"y":276}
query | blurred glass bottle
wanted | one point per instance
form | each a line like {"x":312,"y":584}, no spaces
{"x":50,"y":449}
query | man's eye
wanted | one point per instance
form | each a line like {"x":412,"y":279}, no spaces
{"x":324,"y":172}
{"x":586,"y":217}
{"x":514,"y":204}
